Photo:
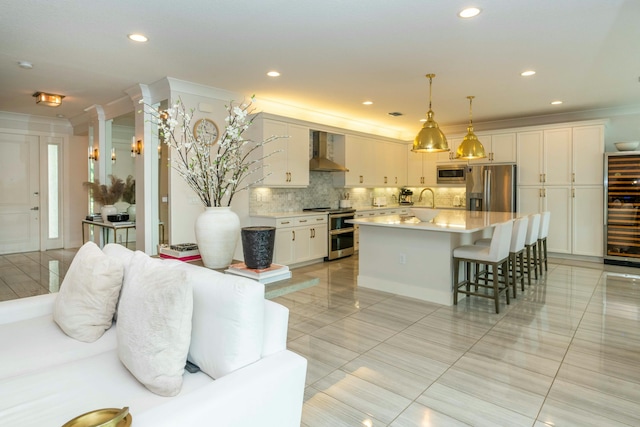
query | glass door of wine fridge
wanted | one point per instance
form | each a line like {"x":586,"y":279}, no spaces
{"x":622,"y":203}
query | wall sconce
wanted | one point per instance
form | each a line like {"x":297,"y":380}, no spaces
{"x":94,"y":154}
{"x":136,"y":147}
{"x":48,"y":99}
{"x":113,"y":155}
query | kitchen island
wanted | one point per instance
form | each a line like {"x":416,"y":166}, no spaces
{"x":404,"y":256}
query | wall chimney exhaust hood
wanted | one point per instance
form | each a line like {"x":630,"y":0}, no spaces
{"x":319,"y":162}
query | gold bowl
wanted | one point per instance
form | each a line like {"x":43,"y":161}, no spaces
{"x":109,"y":417}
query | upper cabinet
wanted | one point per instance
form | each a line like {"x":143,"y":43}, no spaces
{"x":561,"y":156}
{"x":371,"y":162}
{"x":421,"y":168}
{"x":287,"y":162}
{"x":499,"y":148}
{"x":450,"y":156}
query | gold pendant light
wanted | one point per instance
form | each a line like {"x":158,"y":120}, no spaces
{"x":430,"y":139}
{"x":470,"y":148}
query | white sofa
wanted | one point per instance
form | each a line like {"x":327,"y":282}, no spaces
{"x":48,"y":378}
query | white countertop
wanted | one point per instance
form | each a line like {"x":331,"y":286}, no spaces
{"x":277,"y":215}
{"x":448,"y":220}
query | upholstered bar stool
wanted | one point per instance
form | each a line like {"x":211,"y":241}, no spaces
{"x":494,"y":256}
{"x":542,"y":239}
{"x":531,"y":245}
{"x":516,"y":252}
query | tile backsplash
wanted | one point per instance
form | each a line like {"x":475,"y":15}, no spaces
{"x":321,"y":193}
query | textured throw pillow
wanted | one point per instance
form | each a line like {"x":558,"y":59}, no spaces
{"x":87,"y":299}
{"x":154,"y":324}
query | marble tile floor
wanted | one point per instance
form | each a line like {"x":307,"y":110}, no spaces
{"x":564,"y":353}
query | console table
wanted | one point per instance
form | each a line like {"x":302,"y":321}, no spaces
{"x":106,"y":226}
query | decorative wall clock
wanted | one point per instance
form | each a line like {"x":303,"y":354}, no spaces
{"x":206,"y":129}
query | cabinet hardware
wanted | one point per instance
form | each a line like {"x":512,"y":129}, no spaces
{"x":396,"y":179}
{"x":573,"y":177}
{"x":385,"y":179}
{"x":294,"y":235}
{"x":361,"y":180}
{"x":544,"y":177}
{"x":35,"y":208}
{"x":573,"y":193}
{"x":319,"y":219}
{"x":284,"y":222}
{"x":540,"y":178}
{"x":303,"y":220}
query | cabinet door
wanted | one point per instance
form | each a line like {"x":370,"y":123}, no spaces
{"x":283,"y":246}
{"x":588,"y":220}
{"x":588,"y":155}
{"x":318,"y":247}
{"x":414,"y":167}
{"x":382,"y":164}
{"x":503,"y":148}
{"x":558,"y":202}
{"x":298,"y":155}
{"x":276,"y":163}
{"x":429,"y":170}
{"x":530,"y":200}
{"x":301,"y":243}
{"x":557,"y":157}
{"x":398,"y":172}
{"x":359,"y":155}
{"x":529,"y":154}
{"x":450,"y":156}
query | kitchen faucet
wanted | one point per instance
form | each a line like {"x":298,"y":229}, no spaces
{"x":433,"y":196}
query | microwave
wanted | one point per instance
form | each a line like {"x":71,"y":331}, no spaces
{"x":451,"y":174}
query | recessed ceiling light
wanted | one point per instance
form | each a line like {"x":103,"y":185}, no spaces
{"x":556,"y":102}
{"x":527,"y":73}
{"x":469,"y":12}
{"x":367,"y":103}
{"x":273,"y":74}
{"x":137,"y":38}
{"x":25,"y":64}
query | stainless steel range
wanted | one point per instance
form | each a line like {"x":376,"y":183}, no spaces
{"x":340,"y":234}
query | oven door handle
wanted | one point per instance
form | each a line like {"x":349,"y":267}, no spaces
{"x":343,"y":215}
{"x":341,"y":231}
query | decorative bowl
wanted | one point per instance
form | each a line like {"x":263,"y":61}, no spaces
{"x":109,"y":417}
{"x":627,"y":146}
{"x":424,"y":214}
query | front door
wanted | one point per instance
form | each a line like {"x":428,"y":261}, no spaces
{"x":19,"y":193}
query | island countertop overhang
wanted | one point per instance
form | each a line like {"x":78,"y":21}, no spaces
{"x":449,"y":221}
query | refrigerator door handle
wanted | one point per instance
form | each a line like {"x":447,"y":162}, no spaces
{"x":487,"y":190}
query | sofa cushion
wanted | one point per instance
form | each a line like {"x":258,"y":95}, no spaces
{"x":87,"y":299}
{"x":154,"y":324}
{"x":37,"y":343}
{"x":228,"y":319}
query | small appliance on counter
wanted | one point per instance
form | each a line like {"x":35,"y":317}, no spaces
{"x":406,"y":197}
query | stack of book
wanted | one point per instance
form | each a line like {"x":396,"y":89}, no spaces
{"x":181,"y":252}
{"x":274,"y":273}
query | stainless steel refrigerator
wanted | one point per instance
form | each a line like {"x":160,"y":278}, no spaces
{"x":491,"y":188}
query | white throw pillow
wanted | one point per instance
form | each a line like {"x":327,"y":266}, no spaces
{"x":154,"y":324}
{"x":87,"y":299}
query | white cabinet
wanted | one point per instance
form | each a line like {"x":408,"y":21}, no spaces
{"x":421,"y":169}
{"x":371,"y":162}
{"x":358,"y":155}
{"x":560,"y":169}
{"x":390,"y":164}
{"x":287,"y":164}
{"x":450,"y":156}
{"x":499,"y":148}
{"x":298,"y":238}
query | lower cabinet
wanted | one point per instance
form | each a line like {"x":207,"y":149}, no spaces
{"x":299,"y":238}
{"x":374,"y":212}
{"x":577,"y":220}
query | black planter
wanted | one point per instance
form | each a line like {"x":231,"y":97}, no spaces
{"x":257,"y":246}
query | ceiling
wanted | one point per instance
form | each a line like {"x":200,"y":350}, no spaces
{"x":332,"y":55}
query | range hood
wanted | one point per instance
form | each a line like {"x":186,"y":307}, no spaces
{"x":319,"y":162}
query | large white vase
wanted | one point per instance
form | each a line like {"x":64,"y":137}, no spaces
{"x":217,"y":232}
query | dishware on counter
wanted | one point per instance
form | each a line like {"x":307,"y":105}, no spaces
{"x":424,"y":214}
{"x":345,"y":203}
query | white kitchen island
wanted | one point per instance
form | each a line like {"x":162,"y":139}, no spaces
{"x":405,"y":256}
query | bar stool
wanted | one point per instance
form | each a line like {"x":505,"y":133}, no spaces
{"x":542,"y":239}
{"x":494,"y":256}
{"x":516,"y":252}
{"x":530,"y":245}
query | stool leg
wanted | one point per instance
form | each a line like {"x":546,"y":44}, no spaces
{"x":507,"y":282}
{"x":545,"y":254}
{"x":456,"y":271}
{"x":521,"y":257}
